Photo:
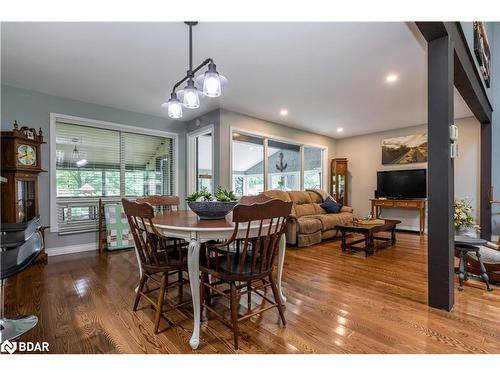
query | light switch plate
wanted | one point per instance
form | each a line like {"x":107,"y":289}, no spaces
{"x":453,"y":133}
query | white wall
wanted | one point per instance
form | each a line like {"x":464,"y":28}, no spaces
{"x":364,"y":156}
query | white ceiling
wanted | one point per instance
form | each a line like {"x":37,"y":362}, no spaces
{"x":327,"y":75}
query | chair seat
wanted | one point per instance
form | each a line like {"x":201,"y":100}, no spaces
{"x":232,"y":266}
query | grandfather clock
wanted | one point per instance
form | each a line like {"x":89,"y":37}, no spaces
{"x":339,"y":180}
{"x":21,"y":164}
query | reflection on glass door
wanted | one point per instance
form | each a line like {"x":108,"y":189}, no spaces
{"x":204,"y":167}
{"x":284,"y":166}
{"x":313,"y":168}
{"x":248,"y":164}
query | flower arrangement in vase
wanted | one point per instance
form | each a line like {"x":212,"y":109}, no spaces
{"x":462,"y":217}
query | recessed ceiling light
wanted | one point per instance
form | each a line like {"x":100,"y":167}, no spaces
{"x":340,"y":130}
{"x":284,"y":112}
{"x":391,"y":78}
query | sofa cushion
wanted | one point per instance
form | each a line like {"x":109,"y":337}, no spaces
{"x":329,"y":221}
{"x":307,"y":209}
{"x":300,"y":197}
{"x":315,"y":197}
{"x":308,"y":239}
{"x":330,"y":206}
{"x":283,"y":195}
{"x":347,"y":209}
{"x":308,"y":225}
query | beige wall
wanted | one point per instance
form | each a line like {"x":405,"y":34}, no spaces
{"x":365,"y":159}
{"x":239,"y":121}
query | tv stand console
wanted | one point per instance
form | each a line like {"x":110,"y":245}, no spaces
{"x":416,"y":204}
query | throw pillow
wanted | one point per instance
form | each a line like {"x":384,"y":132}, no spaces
{"x":330,"y":206}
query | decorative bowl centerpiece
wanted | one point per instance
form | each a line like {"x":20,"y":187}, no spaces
{"x":206,"y":207}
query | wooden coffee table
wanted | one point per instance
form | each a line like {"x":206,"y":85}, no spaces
{"x":368,"y":231}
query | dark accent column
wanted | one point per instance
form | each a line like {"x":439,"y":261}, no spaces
{"x":485,"y":190}
{"x":440,"y":174}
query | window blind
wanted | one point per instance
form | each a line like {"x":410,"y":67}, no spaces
{"x":148,"y":165}
{"x":94,"y":163}
{"x":87,"y":161}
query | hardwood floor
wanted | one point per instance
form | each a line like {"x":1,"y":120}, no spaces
{"x":337,"y":303}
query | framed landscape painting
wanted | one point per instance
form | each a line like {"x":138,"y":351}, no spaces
{"x":405,"y":150}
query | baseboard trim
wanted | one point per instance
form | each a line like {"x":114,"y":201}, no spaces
{"x":63,"y":250}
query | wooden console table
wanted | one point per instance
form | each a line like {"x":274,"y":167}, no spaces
{"x":417,"y":204}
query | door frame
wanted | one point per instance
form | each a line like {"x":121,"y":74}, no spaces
{"x":191,"y":172}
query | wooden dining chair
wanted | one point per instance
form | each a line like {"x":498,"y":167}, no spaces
{"x":158,"y":256}
{"x":162,"y":204}
{"x":246,"y":263}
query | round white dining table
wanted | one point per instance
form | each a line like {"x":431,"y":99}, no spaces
{"x":186,"y":225}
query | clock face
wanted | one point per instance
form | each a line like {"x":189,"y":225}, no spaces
{"x":26,"y":155}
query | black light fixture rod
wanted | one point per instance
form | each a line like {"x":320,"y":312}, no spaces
{"x":193,"y":72}
{"x":191,"y":49}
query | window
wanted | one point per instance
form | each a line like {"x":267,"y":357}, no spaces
{"x":148,"y":165}
{"x":247,"y":165}
{"x":284,"y":166}
{"x":313,"y":168}
{"x":93,"y":163}
{"x":87,"y":161}
{"x":287,"y":165}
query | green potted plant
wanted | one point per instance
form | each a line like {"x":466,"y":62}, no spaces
{"x":210,"y":207}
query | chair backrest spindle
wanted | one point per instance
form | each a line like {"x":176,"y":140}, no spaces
{"x":265,"y":220}
{"x":161,"y":203}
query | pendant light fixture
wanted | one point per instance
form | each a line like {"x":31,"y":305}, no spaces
{"x":75,"y":155}
{"x":211,"y":83}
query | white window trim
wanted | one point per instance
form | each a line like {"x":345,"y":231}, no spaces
{"x":191,"y":157}
{"x":57,"y":117}
{"x":266,"y":137}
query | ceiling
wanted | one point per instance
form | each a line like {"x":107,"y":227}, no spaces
{"x":328,"y":75}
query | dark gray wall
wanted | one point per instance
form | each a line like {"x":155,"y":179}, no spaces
{"x":34,"y":108}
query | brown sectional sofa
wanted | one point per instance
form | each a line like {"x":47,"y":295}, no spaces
{"x":309,"y":223}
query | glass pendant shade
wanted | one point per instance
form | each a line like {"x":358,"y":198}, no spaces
{"x":191,"y":97}
{"x":174,"y":107}
{"x":212,"y":86}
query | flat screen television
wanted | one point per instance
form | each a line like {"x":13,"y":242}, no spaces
{"x":405,"y":184}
